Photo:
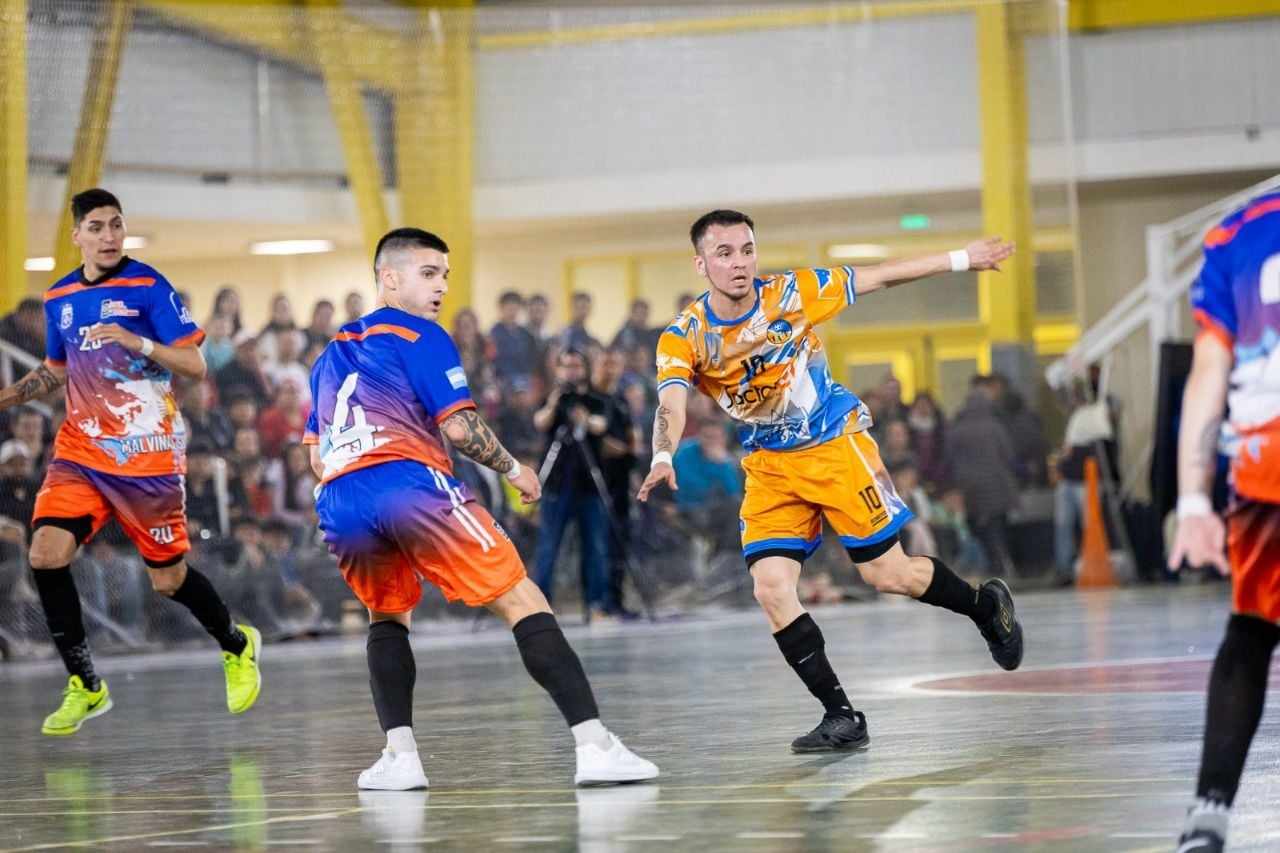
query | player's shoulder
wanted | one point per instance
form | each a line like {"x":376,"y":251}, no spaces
{"x":692,"y":318}
{"x":63,"y":286}
{"x":1262,"y":207}
{"x":390,"y":326}
{"x":140,"y":272}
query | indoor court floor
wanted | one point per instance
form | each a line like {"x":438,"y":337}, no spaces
{"x":1092,"y":746}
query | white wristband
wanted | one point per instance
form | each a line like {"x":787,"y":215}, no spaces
{"x":662,"y":457}
{"x":148,"y":346}
{"x":515,"y":470}
{"x":1190,"y":506}
{"x":959,"y":260}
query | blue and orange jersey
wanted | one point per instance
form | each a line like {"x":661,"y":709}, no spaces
{"x":122,"y":417}
{"x":379,"y":391}
{"x":767,"y":368}
{"x":1237,"y":299}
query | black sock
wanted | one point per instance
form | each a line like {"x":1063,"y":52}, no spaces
{"x":949,"y":591}
{"x":802,"y":645}
{"x":552,"y":662}
{"x":198,"y":595}
{"x":392,"y":673}
{"x":1237,"y":691}
{"x":61,"y":605}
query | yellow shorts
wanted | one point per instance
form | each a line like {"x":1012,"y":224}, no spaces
{"x":788,"y":492}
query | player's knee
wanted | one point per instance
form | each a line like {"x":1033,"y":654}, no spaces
{"x":168,"y":581}
{"x":50,"y":551}
{"x":773,"y":591}
{"x":886,"y":574}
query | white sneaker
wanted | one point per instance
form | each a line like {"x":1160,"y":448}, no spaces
{"x":398,"y":771}
{"x":598,"y":766}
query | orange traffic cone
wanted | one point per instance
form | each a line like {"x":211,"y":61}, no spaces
{"x":1095,"y":551}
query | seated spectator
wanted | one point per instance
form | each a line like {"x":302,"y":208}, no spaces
{"x":917,"y":534}
{"x":27,"y":427}
{"x":296,"y":501}
{"x":226,"y":304}
{"x":203,"y":499}
{"x":242,"y":411}
{"x":514,"y":422}
{"x":281,"y":320}
{"x":956,"y":543}
{"x":353,"y":305}
{"x":203,"y":420}
{"x":706,"y":471}
{"x":294,"y":603}
{"x":288,"y":366}
{"x":575,"y":336}
{"x":928,"y":438}
{"x":321,"y":330}
{"x":515,"y":350}
{"x":896,"y":447}
{"x":244,"y":374}
{"x":18,"y":483}
{"x":285,"y":420}
{"x":24,"y":328}
{"x":219,"y":347}
{"x":635,"y":332}
{"x":259,"y":486}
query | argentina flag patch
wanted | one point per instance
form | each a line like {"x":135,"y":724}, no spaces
{"x":457,"y":377}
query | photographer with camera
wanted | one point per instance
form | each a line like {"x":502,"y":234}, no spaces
{"x":574,"y":419}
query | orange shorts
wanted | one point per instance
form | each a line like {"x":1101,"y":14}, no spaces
{"x":1253,"y":549}
{"x":394,"y":525}
{"x":151,"y":510}
{"x":788,"y":492}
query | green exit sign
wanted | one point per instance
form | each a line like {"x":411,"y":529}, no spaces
{"x":914,"y":222}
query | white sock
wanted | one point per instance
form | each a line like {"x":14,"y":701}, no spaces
{"x":592,"y":731}
{"x":400,"y":739}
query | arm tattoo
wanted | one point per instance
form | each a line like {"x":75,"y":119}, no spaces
{"x":661,"y":440}
{"x":473,"y":438}
{"x":37,"y":383}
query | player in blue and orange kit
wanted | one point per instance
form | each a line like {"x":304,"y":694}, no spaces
{"x":116,"y":332}
{"x":750,"y":344}
{"x":385,"y":391}
{"x":1236,"y":364}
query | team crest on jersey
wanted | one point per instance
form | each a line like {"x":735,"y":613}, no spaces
{"x":184,"y":316}
{"x":68,"y":316}
{"x":115,"y":308}
{"x":780,"y":332}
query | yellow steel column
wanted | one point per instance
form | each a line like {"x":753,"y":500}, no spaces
{"x":13,"y":151}
{"x":325,"y":20}
{"x":90,"y":150}
{"x":433,"y":130}
{"x":1006,"y":300}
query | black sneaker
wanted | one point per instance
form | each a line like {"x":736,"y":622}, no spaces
{"x":1002,"y":632}
{"x":1200,"y":841}
{"x":835,"y":733}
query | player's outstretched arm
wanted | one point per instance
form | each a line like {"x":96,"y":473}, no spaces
{"x":186,"y":361}
{"x":474,"y":439}
{"x":984,"y":254}
{"x":668,"y":426}
{"x":1201,"y":535}
{"x":44,"y":379}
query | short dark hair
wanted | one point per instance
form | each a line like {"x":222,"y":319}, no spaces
{"x":407,"y":238}
{"x":579,"y":295}
{"x":717,"y":217}
{"x":539,"y":298}
{"x":84,"y":202}
{"x":321,"y":303}
{"x":30,"y":305}
{"x":509,"y":296}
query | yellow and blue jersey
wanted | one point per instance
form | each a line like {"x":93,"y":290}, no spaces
{"x":767,"y":369}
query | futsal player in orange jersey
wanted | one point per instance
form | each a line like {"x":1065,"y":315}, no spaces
{"x":750,"y":343}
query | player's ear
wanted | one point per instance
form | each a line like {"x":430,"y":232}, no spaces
{"x":700,"y":265}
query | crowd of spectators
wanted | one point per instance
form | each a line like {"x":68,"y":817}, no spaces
{"x":250,"y":486}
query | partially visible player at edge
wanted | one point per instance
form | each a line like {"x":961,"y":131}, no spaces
{"x":116,"y":332}
{"x":750,"y":344}
{"x":1236,"y":362}
{"x":385,"y":389}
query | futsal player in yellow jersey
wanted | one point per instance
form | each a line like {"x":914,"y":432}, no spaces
{"x":750,"y":344}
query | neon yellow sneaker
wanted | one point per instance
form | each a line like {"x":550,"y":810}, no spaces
{"x":78,"y":704}
{"x":244,"y":679}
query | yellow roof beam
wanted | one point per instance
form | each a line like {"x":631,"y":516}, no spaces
{"x":1116,"y":14}
{"x":13,"y":152}
{"x":274,"y":29}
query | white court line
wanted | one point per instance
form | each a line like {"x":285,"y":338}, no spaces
{"x":768,"y":835}
{"x":893,"y":836}
{"x":627,"y":838}
{"x":528,"y":839}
